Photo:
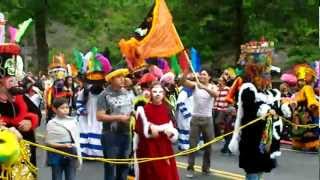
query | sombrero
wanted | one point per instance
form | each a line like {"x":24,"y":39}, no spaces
{"x":117,"y":72}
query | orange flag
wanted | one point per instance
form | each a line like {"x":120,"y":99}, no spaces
{"x":156,"y":37}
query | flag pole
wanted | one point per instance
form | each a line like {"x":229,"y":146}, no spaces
{"x":191,"y":67}
{"x":187,"y":56}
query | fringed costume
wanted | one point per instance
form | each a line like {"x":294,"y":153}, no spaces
{"x":86,"y":104}
{"x":306,"y":110}
{"x":257,"y":143}
{"x":58,"y":72}
{"x":183,"y":117}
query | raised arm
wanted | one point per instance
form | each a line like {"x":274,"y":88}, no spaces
{"x":210,"y":89}
{"x":187,"y":83}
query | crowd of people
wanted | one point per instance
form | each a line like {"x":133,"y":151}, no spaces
{"x":95,"y":110}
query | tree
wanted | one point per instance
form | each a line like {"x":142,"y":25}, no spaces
{"x":37,"y":10}
{"x":215,"y":28}
{"x":40,"y":16}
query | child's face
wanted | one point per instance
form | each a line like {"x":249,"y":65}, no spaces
{"x":118,"y":81}
{"x":157,"y":93}
{"x":62,"y":111}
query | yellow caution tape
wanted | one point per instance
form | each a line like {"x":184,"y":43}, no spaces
{"x":142,"y":160}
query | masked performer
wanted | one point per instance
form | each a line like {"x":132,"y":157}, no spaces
{"x":306,"y":110}
{"x":254,"y":142}
{"x":16,"y":109}
{"x":90,"y":128}
{"x":156,"y":133}
{"x":58,"y":72}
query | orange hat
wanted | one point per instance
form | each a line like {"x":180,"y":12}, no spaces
{"x":58,"y":67}
{"x":58,"y":61}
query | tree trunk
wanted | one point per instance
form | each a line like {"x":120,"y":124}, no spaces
{"x":239,"y":27}
{"x":41,"y":38}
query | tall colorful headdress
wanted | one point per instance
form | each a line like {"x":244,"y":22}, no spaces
{"x":58,"y":67}
{"x":10,"y":62}
{"x":93,"y":64}
{"x":256,"y":59}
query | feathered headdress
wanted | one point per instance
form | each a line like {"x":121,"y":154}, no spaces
{"x":72,"y":70}
{"x":93,"y":64}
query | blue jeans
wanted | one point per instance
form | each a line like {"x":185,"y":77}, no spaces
{"x":69,"y":170}
{"x":115,"y":146}
{"x":253,"y":176}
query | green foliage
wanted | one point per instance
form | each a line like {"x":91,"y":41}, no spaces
{"x":303,"y":54}
{"x":211,"y":26}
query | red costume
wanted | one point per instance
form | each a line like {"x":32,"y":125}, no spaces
{"x":150,"y":147}
{"x":22,"y":114}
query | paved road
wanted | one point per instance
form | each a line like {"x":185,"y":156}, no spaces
{"x":292,"y":166}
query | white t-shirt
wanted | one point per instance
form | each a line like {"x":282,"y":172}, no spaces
{"x":202,"y":102}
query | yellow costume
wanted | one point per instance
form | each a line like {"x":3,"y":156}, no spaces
{"x":14,"y":157}
{"x":306,"y":111}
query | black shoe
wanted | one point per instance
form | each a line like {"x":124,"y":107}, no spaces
{"x":206,"y":172}
{"x":226,"y":151}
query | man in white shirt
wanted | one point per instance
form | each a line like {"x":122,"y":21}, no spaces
{"x":201,"y":122}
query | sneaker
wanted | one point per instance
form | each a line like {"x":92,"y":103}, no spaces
{"x":190,"y":174}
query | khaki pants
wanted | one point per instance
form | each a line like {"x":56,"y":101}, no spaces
{"x":198,"y":126}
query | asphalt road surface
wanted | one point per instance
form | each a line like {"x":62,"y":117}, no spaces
{"x":293,"y":165}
